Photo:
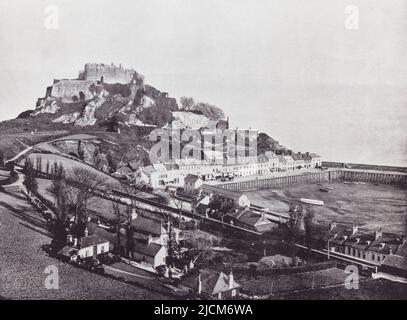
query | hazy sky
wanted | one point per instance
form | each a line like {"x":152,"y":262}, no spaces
{"x":287,"y":67}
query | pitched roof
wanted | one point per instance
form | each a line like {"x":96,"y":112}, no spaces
{"x":191,"y":178}
{"x":67,"y":251}
{"x":395,"y":261}
{"x":212,"y":282}
{"x":249,"y":218}
{"x":147,"y":225}
{"x":150,"y":250}
{"x":92,"y":240}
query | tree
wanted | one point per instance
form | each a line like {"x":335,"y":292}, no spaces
{"x":30,"y":181}
{"x":309,"y":217}
{"x":58,"y":190}
{"x":38,"y":163}
{"x":83,"y":185}
{"x":179,"y":205}
{"x":186,"y":103}
{"x":2,"y":159}
{"x":119,"y":217}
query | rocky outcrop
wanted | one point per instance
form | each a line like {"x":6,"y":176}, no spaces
{"x":190,"y":120}
{"x":47,"y":106}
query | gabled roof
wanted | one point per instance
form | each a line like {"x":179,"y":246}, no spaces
{"x":150,"y":250}
{"x":395,"y":261}
{"x":147,"y":225}
{"x":67,"y":251}
{"x":249,"y":218}
{"x":148,"y":170}
{"x":402,"y":249}
{"x":262,"y":158}
{"x":92,"y":240}
{"x":191,"y":178}
{"x":385,"y":243}
{"x":212,"y":282}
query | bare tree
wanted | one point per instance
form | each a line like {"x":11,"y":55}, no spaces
{"x":120,"y":217}
{"x":179,"y":204}
{"x":84,"y":185}
{"x":309,"y":217}
{"x":187,"y":103}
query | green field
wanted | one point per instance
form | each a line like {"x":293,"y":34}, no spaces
{"x":369,"y":206}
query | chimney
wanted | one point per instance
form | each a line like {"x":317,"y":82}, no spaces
{"x":368,"y":242}
{"x":75,"y":242}
{"x":231,"y":279}
{"x":332,"y":226}
{"x":357,"y":240}
{"x":199,"y":283}
{"x":150,"y":238}
{"x":354,"y":229}
{"x":378,"y":234}
{"x":86,"y":232}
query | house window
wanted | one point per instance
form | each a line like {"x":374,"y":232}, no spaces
{"x":373,"y":257}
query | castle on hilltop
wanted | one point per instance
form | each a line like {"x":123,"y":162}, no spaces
{"x":71,"y":90}
{"x":109,"y":74}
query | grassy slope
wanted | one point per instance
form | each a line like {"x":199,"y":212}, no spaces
{"x":23,"y":262}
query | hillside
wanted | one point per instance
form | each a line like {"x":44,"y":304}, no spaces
{"x":116,"y":107}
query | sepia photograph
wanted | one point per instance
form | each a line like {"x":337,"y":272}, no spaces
{"x":219,"y":153}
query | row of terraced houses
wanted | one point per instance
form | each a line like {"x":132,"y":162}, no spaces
{"x":174,"y":173}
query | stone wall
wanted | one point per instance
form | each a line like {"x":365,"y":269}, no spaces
{"x":66,"y":89}
{"x":107,"y":73}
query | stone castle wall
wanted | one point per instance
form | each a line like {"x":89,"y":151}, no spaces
{"x":66,"y":89}
{"x":109,"y":73}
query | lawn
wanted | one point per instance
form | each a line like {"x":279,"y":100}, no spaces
{"x":23,"y":262}
{"x":68,"y":165}
{"x":369,"y":206}
{"x":102,"y":207}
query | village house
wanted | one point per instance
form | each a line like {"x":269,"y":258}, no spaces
{"x":307,"y":160}
{"x":247,"y":219}
{"x":92,"y":246}
{"x":298,"y":160}
{"x":228,"y":196}
{"x":372,"y":247}
{"x":316,"y":160}
{"x":150,"y":240}
{"x":396,"y":263}
{"x":211,"y":284}
{"x":192,"y":184}
{"x":150,"y":253}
